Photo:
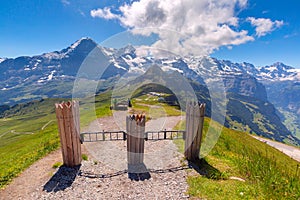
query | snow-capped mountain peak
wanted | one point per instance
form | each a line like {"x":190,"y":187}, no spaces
{"x":127,"y":50}
{"x":81,"y":44}
{"x":278,"y":72}
{"x":78,"y":42}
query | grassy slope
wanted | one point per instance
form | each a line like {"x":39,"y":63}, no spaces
{"x":22,"y":139}
{"x":143,"y":105}
{"x":269,"y":174}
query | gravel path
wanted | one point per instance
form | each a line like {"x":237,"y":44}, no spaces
{"x":104,"y":175}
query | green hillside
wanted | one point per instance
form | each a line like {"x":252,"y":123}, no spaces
{"x":268,"y":173}
{"x":257,"y":117}
{"x":29,"y":131}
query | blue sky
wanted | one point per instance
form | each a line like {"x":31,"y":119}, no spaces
{"x":260,"y":32}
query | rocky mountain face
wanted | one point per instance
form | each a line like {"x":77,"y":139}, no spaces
{"x":282,"y":84}
{"x":47,"y":75}
{"x":251,"y":92}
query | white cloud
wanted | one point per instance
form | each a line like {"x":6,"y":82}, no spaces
{"x":263,"y":26}
{"x":104,"y":13}
{"x":186,"y":26}
{"x":291,"y":35}
{"x":265,"y":11}
{"x":65,"y":2}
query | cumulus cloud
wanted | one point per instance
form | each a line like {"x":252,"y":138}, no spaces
{"x":263,"y":26}
{"x":185,"y":26}
{"x":104,"y":13}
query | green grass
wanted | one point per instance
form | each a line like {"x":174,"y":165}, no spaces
{"x":150,"y":106}
{"x":84,"y":157}
{"x":93,"y":108}
{"x":268,"y":173}
{"x":56,"y":165}
{"x":29,"y":132}
{"x":19,"y":152}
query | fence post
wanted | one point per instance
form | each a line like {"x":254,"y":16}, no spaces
{"x":67,"y":115}
{"x":194,"y":125}
{"x":135,"y":125}
{"x":124,"y":136}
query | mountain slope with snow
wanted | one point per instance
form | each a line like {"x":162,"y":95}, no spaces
{"x":53,"y":74}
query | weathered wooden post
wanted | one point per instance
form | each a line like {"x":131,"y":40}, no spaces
{"x":67,"y":114}
{"x":135,"y":128}
{"x":194,"y":125}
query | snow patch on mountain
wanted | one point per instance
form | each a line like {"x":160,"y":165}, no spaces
{"x":36,"y":64}
{"x":2,"y":59}
{"x":27,"y":68}
{"x":50,"y":76}
{"x":135,"y":62}
{"x":77,"y":43}
{"x":107,"y":51}
{"x":136,"y":70}
{"x":169,"y":68}
{"x":119,"y":66}
{"x":168,"y":61}
{"x":53,"y":55}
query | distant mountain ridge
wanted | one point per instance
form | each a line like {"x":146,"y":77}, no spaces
{"x":66,"y":62}
{"x":52,"y":75}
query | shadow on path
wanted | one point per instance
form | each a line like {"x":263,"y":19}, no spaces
{"x":138,"y":172}
{"x":133,"y":175}
{"x":62,"y":179}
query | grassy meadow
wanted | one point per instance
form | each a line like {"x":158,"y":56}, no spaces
{"x":264,"y":172}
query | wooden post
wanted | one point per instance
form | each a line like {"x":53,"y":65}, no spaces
{"x":194,"y":126}
{"x":67,"y":115}
{"x":135,"y":128}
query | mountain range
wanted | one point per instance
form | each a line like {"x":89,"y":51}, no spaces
{"x":261,"y":100}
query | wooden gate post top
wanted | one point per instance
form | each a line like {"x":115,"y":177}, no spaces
{"x":68,"y":104}
{"x":202,"y":109}
{"x":137,"y":117}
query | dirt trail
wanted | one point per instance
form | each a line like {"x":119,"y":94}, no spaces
{"x":31,"y":178}
{"x":103,"y":176}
